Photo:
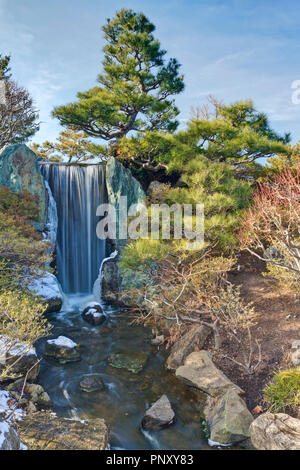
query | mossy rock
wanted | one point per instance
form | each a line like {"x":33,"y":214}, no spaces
{"x":133,"y":362}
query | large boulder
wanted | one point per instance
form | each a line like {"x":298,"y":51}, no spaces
{"x":194,"y":338}
{"x":9,"y":438}
{"x":44,"y":431}
{"x":275,"y":432}
{"x":62,"y":350}
{"x":159,"y":416}
{"x":228,"y":418}
{"x":120,"y":182}
{"x":19,"y":169}
{"x":22,"y":360}
{"x":111,"y":280}
{"x":48,"y":289}
{"x":200,"y":372}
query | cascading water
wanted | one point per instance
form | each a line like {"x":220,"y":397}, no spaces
{"x":77,"y":190}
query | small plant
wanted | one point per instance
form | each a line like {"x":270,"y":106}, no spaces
{"x":283,"y":392}
{"x":237,"y":319}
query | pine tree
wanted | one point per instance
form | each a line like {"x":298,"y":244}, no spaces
{"x":135,"y":89}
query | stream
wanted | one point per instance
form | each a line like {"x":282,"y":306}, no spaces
{"x":126,"y":395}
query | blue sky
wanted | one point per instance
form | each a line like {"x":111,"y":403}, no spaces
{"x":233,"y":49}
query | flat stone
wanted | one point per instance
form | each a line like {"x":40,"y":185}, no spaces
{"x":275,"y":432}
{"x":159,"y":416}
{"x":200,"y":372}
{"x":228,"y":418}
{"x":44,"y":431}
{"x":194,"y":338}
{"x":91,"y":383}
{"x":133,"y":361}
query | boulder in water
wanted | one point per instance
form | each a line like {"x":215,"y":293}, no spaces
{"x":228,"y":418}
{"x":91,"y":383}
{"x":93,"y":314}
{"x":63,"y":350}
{"x":159,"y":416}
{"x":132,"y":361}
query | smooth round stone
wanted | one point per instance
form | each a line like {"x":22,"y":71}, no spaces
{"x":91,"y":383}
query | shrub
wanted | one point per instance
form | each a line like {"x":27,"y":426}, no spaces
{"x":21,"y":323}
{"x":271,"y":227}
{"x":283,"y":393}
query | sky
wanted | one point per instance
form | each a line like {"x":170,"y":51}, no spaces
{"x":234,"y":49}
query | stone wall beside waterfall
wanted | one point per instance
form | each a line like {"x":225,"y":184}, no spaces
{"x":19,"y":169}
{"x":119,"y":182}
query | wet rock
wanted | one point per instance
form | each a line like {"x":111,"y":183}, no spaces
{"x":133,"y":361}
{"x":228,"y":418}
{"x":24,"y":361}
{"x":111,"y":280}
{"x":19,"y":169}
{"x":48,"y":289}
{"x":93,"y":314}
{"x":159,"y":416}
{"x":33,"y":396}
{"x":9,"y":438}
{"x":295,"y":357}
{"x":62,"y":350}
{"x":194,"y":338}
{"x":44,"y":431}
{"x":91,"y":383}
{"x":275,"y":432}
{"x":120,"y":182}
{"x":199,"y":371}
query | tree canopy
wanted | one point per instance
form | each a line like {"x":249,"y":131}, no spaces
{"x":71,"y":146}
{"x":235,"y":134}
{"x":18,"y":116}
{"x":136,"y":88}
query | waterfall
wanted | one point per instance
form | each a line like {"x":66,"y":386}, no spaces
{"x":77,"y":190}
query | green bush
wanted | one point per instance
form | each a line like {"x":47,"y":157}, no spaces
{"x":283,"y":392}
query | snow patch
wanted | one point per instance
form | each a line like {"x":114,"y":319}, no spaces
{"x":62,"y":341}
{"x":18,"y":349}
{"x":6,"y":410}
{"x":46,"y":287}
